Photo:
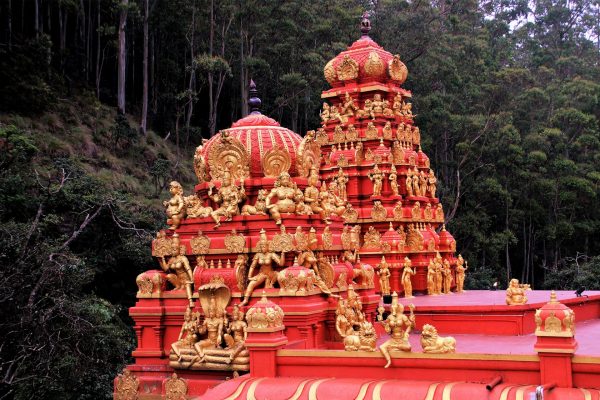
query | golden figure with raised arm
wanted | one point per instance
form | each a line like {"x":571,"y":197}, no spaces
{"x":264,"y":259}
{"x":398,"y":326}
{"x":229,"y":197}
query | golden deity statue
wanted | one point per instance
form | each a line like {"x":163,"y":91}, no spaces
{"x":431,"y":278}
{"x":423,"y":179}
{"x":264,"y":259}
{"x":384,"y":277}
{"x":515,"y":294}
{"x":287,"y":196}
{"x":461,"y":267}
{"x":349,"y":108}
{"x":237,"y":333}
{"x":377,"y":104}
{"x":367,"y":110}
{"x":393,"y":177}
{"x":376,"y":176}
{"x":439,"y":274}
{"x":398,"y":326}
{"x":407,"y":273}
{"x":311,"y":195}
{"x":447,"y":273}
{"x":416,"y":182}
{"x":179,"y":272}
{"x":409,"y":185}
{"x":330,"y":202}
{"x":175,"y":205}
{"x":212,"y":326}
{"x":407,"y":110}
{"x":387,"y":131}
{"x":229,"y":197}
{"x":372,"y":132}
{"x":342,"y":180}
{"x":432,"y":183}
{"x":260,"y":207}
{"x":397,"y":105}
{"x":325,"y":114}
{"x":352,"y":326}
{"x":308,"y":260}
{"x":188,"y":334}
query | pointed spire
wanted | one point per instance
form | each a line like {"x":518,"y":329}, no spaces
{"x":365,"y":24}
{"x":254,"y":102}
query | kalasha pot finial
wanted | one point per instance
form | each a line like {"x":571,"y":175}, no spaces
{"x":254,"y":102}
{"x":365,"y":24}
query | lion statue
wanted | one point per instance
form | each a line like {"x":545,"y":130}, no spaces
{"x":260,"y":207}
{"x":432,"y":343}
{"x":363,"y":339}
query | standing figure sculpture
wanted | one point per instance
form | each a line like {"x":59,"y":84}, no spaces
{"x":447,"y":272}
{"x":461,"y":267}
{"x":264,"y":259}
{"x":175,"y":205}
{"x":287,"y":196}
{"x":409,"y":184}
{"x":384,"y":277}
{"x":229,"y":197}
{"x":342,"y":180}
{"x":376,"y":176}
{"x":431,"y":278}
{"x":179,"y":272}
{"x":393,"y":177}
{"x":432,"y":183}
{"x":439,"y":278}
{"x":398,"y":326}
{"x":407,"y":273}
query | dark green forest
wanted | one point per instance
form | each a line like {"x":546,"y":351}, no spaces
{"x":102,"y":103}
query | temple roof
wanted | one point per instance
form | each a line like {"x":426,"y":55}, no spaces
{"x":367,"y":388}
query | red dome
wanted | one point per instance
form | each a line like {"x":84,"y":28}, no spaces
{"x":365,"y":61}
{"x":259,"y":136}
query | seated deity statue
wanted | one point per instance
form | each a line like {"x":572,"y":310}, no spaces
{"x":212,"y":327}
{"x":188,"y":335}
{"x":398,"y":326}
{"x":515,"y":294}
{"x":325,"y":114}
{"x":237,"y":333}
{"x":287,"y":195}
{"x":228,"y":197}
{"x":259,"y":208}
{"x":377,"y":104}
{"x":349,"y":108}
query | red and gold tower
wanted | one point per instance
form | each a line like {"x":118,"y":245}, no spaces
{"x":371,"y":148}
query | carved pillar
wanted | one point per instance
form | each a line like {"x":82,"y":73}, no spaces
{"x":265,"y":337}
{"x":555,"y":345}
{"x":159,"y":337}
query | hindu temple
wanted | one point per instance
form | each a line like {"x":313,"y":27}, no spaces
{"x":319,"y":267}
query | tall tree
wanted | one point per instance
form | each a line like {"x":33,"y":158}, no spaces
{"x":122,"y":56}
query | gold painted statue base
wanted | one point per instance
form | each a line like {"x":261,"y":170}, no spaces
{"x":214,"y":360}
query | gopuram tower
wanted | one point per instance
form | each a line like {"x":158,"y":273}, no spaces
{"x":371,"y":153}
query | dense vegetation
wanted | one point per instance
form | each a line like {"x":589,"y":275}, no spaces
{"x":507,"y":95}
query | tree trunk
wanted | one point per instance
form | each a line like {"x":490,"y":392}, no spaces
{"x":243,"y":78}
{"x":192,"y":81}
{"x":122,"y":53}
{"x":9,"y":25}
{"x":508,"y":265}
{"x":36,"y":23}
{"x":98,"y":45}
{"x":211,"y":122}
{"x":145,"y":73}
